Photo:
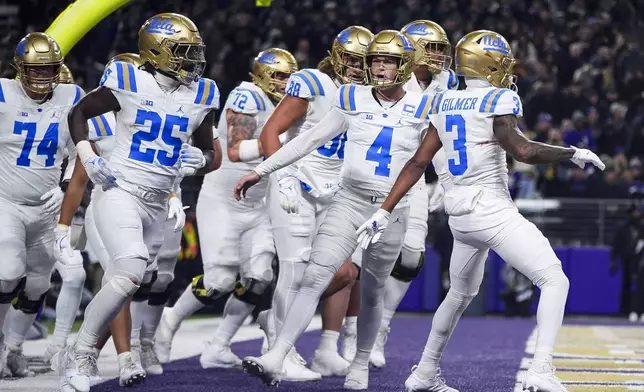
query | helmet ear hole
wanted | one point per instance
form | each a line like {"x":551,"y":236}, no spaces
{"x":155,"y":52}
{"x":492,"y":69}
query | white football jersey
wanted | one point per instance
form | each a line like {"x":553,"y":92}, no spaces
{"x":34,"y":141}
{"x":444,"y":81}
{"x":248,"y":99}
{"x":152,"y":124}
{"x":464,"y":122}
{"x":321,"y":168}
{"x":379,"y":141}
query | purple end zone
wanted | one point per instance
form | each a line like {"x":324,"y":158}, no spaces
{"x":484,"y":355}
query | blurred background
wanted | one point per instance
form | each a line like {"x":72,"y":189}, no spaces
{"x":581,"y":78}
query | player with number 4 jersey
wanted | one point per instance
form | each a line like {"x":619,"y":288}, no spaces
{"x":385,"y":124}
{"x":159,"y":108}
{"x":432,"y":75}
{"x":33,"y":111}
{"x":477,"y":127}
{"x":299,"y":197}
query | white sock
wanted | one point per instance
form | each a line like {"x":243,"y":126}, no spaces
{"x":329,"y":340}
{"x":137,"y":313}
{"x":387,"y":315}
{"x":443,"y":324}
{"x":235,"y":312}
{"x":351,"y":324}
{"x":19,"y":325}
{"x":151,"y":319}
{"x":4,"y":310}
{"x":67,"y":306}
{"x":100,"y":311}
{"x":185,"y":306}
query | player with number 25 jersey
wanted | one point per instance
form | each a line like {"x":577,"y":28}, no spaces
{"x":159,"y":107}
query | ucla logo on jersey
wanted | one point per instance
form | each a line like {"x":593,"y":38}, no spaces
{"x":495,"y":44}
{"x":407,"y":45}
{"x":418,"y":29}
{"x":161,"y":26}
{"x":343,"y":37}
{"x":147,"y":102}
{"x":268,"y":58}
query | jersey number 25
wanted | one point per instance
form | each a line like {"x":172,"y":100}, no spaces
{"x":165,"y":128}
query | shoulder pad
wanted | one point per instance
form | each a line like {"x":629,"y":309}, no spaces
{"x":435,"y":103}
{"x":207,"y":93}
{"x":245,"y":101}
{"x":501,"y":101}
{"x":305,"y":84}
{"x":100,"y":126}
{"x":120,"y":76}
{"x":452,"y":80}
{"x":346,"y":98}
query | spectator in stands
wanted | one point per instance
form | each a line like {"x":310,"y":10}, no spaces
{"x":626,"y":255}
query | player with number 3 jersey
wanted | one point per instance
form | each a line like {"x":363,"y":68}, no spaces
{"x":159,"y":108}
{"x":385,"y":124}
{"x":476,"y":127}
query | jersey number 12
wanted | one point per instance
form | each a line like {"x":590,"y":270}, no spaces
{"x":165,"y":128}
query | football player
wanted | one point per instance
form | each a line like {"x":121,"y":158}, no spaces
{"x":236,"y":238}
{"x":33,"y":108}
{"x":299,"y":197}
{"x":476,"y":127}
{"x":159,"y":106}
{"x":385,"y":124}
{"x":432,"y":74}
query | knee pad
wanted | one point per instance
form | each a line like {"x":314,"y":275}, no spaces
{"x":162,"y":282}
{"x":36,"y":285}
{"x":458,"y":300}
{"x":26,"y":305}
{"x":408,"y":266}
{"x":6,"y":297}
{"x":208,"y":292}
{"x":125,"y":285}
{"x":144,"y":290}
{"x":250,"y":290}
{"x":317,"y":277}
{"x":552,"y":276}
{"x":169,"y":254}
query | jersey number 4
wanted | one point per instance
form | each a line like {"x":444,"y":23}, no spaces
{"x":457,"y":121}
{"x":379,"y":152}
{"x":157,"y":126}
{"x":47,"y":146}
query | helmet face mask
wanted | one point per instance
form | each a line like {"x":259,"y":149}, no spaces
{"x":172,"y":45}
{"x":348,"y":54}
{"x":39,"y":62}
{"x":271,"y":70}
{"x":430,"y":39}
{"x":390,"y":59}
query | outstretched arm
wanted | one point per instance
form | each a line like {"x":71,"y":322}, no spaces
{"x":524,"y":150}
{"x":287,"y":112}
{"x":413,"y":169}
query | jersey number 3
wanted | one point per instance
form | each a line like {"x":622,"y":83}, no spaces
{"x":47,"y":146}
{"x":165,"y":128}
{"x":457,"y":121}
{"x":379,"y":152}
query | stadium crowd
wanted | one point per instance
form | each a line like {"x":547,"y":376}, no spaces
{"x":581,"y":75}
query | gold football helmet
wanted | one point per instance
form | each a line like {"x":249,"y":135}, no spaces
{"x":66,"y":76}
{"x":130,"y":58}
{"x":352,"y":41}
{"x":486,"y":54}
{"x":38,"y":60}
{"x":431,"y":40}
{"x":391,"y":43}
{"x":267,"y":64}
{"x":171,"y":43}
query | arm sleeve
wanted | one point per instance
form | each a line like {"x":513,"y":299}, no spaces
{"x":329,"y":127}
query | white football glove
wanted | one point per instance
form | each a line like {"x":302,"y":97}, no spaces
{"x":583,"y":156}
{"x":176,"y":211}
{"x":99,"y":171}
{"x":372,"y":229}
{"x":192,"y":159}
{"x":53,"y":200}
{"x":290,"y":194}
{"x":63,"y":251}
